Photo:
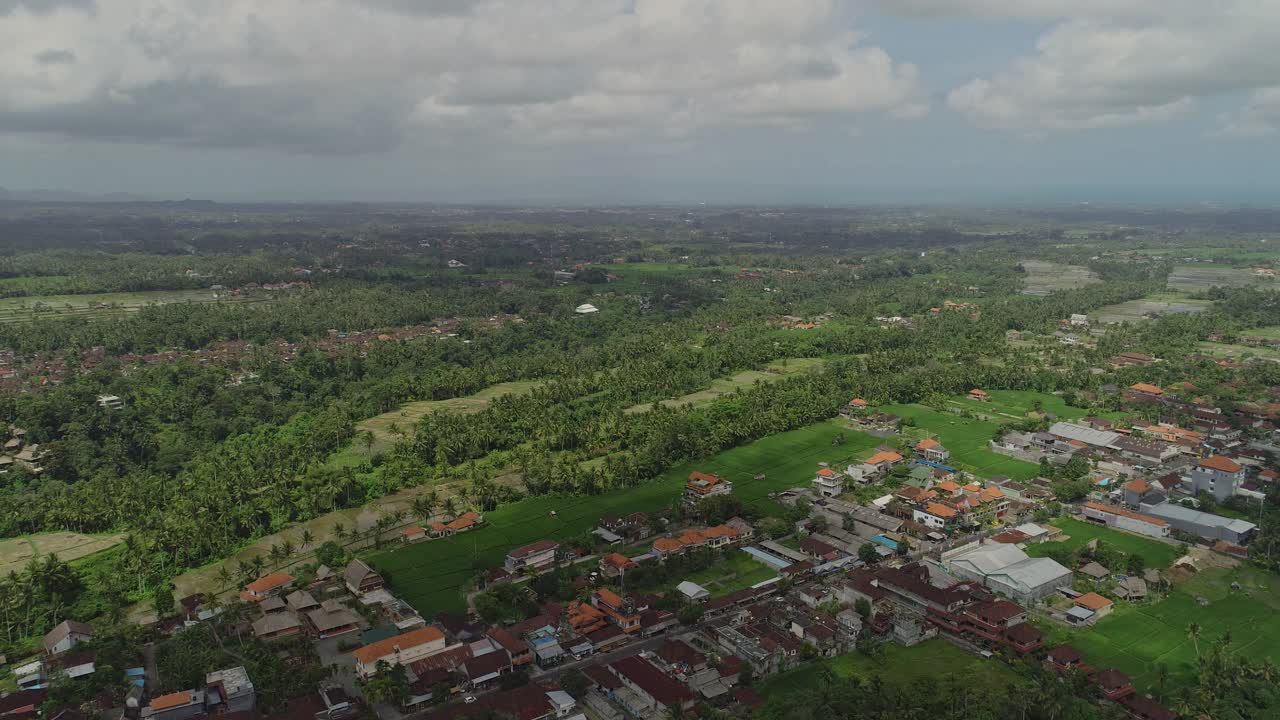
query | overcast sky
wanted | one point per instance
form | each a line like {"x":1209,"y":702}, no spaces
{"x":643,"y":100}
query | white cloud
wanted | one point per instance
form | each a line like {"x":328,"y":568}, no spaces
{"x":1121,"y":64}
{"x":354,"y":75}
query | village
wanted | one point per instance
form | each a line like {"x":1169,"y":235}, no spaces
{"x":940,"y":553}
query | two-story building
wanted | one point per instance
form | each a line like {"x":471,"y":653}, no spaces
{"x":828,"y":482}
{"x":701,"y":486}
{"x":534,"y":556}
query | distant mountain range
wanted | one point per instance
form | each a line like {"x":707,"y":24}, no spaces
{"x":40,"y":195}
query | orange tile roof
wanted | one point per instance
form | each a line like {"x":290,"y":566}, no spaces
{"x":927,"y":444}
{"x":719,"y":531}
{"x":1221,"y":463}
{"x":412,"y":531}
{"x":619,"y":560}
{"x":939,"y":510}
{"x":667,"y":544}
{"x":172,"y":700}
{"x":610,"y":598}
{"x":976,"y":391}
{"x":973,"y":487}
{"x":947,"y":486}
{"x":991,"y":494}
{"x":437,"y":526}
{"x":884,"y":456}
{"x":1139,"y":485}
{"x":371,"y":652}
{"x":692,"y":537}
{"x":710,"y":482}
{"x":1093,"y":601}
{"x":826,"y":472}
{"x":269,"y":582}
{"x":858,"y":402}
{"x":1146,"y":388}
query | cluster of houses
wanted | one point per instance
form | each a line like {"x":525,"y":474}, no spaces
{"x":20,"y":453}
{"x":1151,"y":473}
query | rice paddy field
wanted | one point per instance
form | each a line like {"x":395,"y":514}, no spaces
{"x":773,"y":372}
{"x":17,"y":552}
{"x":1154,"y":553}
{"x":1228,"y":351}
{"x":932,"y":658}
{"x":103,"y":305}
{"x":1192,"y":278}
{"x":966,"y":439}
{"x":1139,"y":310}
{"x":1044,"y":277}
{"x":1014,"y":405}
{"x":1136,"y":639}
{"x":431,"y":575}
{"x":407,"y":415}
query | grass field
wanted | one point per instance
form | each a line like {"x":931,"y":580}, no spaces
{"x":100,"y":306}
{"x":1014,"y":405}
{"x":775,"y":371}
{"x":736,"y":571}
{"x":1228,"y":351}
{"x":430,"y":575}
{"x":966,"y":439}
{"x":1156,"y":554}
{"x":1135,"y":639}
{"x":1045,"y":277}
{"x":1137,"y":310}
{"x":407,"y":415}
{"x":1190,"y":278}
{"x":17,"y":552}
{"x":932,"y":658}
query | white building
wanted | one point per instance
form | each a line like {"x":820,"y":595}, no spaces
{"x":828,"y":483}
{"x":1006,"y":569}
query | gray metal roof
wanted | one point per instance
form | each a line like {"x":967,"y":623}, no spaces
{"x":1097,"y":438}
{"x":1173,"y":511}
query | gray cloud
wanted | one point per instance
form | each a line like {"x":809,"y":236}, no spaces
{"x":43,"y":7}
{"x":55,"y":57}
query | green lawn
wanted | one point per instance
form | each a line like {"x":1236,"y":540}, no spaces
{"x":736,"y":571}
{"x":1013,"y":405}
{"x":932,"y":658}
{"x":966,"y":439}
{"x":1154,"y":553}
{"x":1135,"y":639}
{"x":430,"y":575}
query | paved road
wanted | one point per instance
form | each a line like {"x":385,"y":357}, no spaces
{"x":625,"y":651}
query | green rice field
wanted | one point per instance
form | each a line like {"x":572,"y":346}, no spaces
{"x":966,"y":439}
{"x":1013,"y":405}
{"x":430,"y":575}
{"x":103,"y":305}
{"x":1154,"y":553}
{"x":1135,"y":639}
{"x":773,"y":372}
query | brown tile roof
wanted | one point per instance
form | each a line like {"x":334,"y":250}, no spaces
{"x":939,"y":510}
{"x":172,"y":700}
{"x":650,"y":679}
{"x":533,"y":548}
{"x":1065,"y":655}
{"x":1146,"y":388}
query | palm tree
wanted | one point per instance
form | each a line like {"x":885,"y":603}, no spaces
{"x":340,"y":532}
{"x":1193,"y":632}
{"x":307,"y":538}
{"x":224,"y":578}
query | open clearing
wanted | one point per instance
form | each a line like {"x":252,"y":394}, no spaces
{"x":1135,"y":639}
{"x":737,"y":571}
{"x":430,"y":575}
{"x":1013,"y":405}
{"x":1191,"y":278}
{"x":966,"y":439}
{"x":1046,"y":277}
{"x":774,"y":371}
{"x":103,"y":305}
{"x":1226,"y":351}
{"x":407,"y":415}
{"x":17,"y":552}
{"x":1154,"y":553}
{"x":930,"y":659}
{"x":1152,"y":305}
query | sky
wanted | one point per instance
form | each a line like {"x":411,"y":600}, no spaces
{"x":639,"y":101}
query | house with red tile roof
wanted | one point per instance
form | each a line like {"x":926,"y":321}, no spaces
{"x":701,"y":486}
{"x":266,"y":586}
{"x":932,"y":450}
{"x":402,"y":649}
{"x":979,"y":395}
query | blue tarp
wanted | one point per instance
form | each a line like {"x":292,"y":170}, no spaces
{"x":940,"y":466}
{"x":885,"y":542}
